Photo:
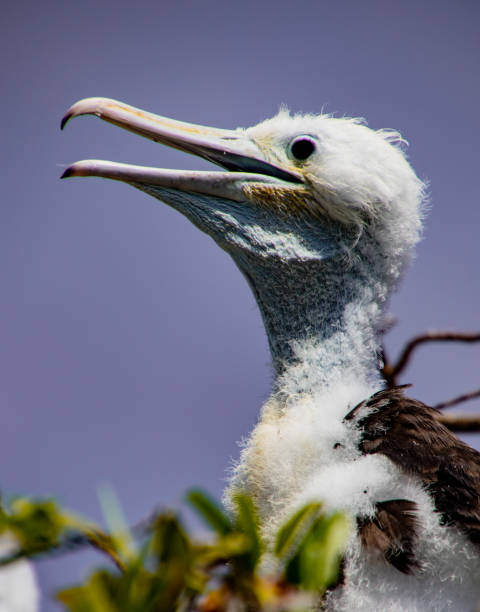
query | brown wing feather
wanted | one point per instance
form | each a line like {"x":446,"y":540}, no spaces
{"x":408,"y":432}
{"x":391,"y":532}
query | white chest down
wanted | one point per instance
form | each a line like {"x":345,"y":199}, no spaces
{"x":308,"y":452}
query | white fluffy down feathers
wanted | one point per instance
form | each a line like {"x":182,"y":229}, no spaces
{"x":301,"y":450}
{"x":18,"y":584}
{"x":355,"y":171}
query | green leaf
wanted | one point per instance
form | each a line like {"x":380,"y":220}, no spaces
{"x":210,"y":511}
{"x":93,"y":596}
{"x":292,"y":532}
{"x":246,"y":521}
{"x":116,"y":521}
{"x":225,"y":548}
{"x":170,"y":543}
{"x":321,"y":551}
{"x":37,"y":524}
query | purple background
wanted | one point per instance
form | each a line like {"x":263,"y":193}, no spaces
{"x":131,"y":351}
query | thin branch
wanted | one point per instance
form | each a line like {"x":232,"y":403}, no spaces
{"x":66,"y":545}
{"x":461,"y":423}
{"x":79,"y":540}
{"x":458,"y":400}
{"x":100,"y":542}
{"x":390,"y":372}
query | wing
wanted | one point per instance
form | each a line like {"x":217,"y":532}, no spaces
{"x":409,"y":434}
{"x":391,"y":533}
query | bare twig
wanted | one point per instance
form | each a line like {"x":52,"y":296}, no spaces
{"x":461,"y":423}
{"x":391,"y":371}
{"x":458,"y":400}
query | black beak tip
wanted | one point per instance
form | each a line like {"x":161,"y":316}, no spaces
{"x":65,"y":120}
{"x":67,"y":173}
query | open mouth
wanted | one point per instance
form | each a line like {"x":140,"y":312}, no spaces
{"x":230,"y":149}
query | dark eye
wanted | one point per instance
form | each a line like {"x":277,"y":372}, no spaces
{"x":302,"y":147}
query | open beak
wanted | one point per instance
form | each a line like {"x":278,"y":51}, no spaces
{"x":231,"y":149}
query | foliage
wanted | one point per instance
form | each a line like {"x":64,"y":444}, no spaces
{"x":156,"y":566}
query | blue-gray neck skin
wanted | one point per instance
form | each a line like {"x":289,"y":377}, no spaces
{"x":321,"y":288}
{"x":322,"y":318}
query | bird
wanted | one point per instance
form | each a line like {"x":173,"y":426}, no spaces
{"x":321,"y":214}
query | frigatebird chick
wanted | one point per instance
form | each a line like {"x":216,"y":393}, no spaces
{"x":321,"y":215}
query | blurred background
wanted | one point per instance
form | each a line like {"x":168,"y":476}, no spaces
{"x":131,"y":350}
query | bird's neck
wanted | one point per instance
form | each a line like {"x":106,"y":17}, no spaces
{"x":322,"y":320}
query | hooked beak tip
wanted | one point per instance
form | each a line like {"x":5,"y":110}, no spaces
{"x":65,"y":120}
{"x":67,"y":173}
